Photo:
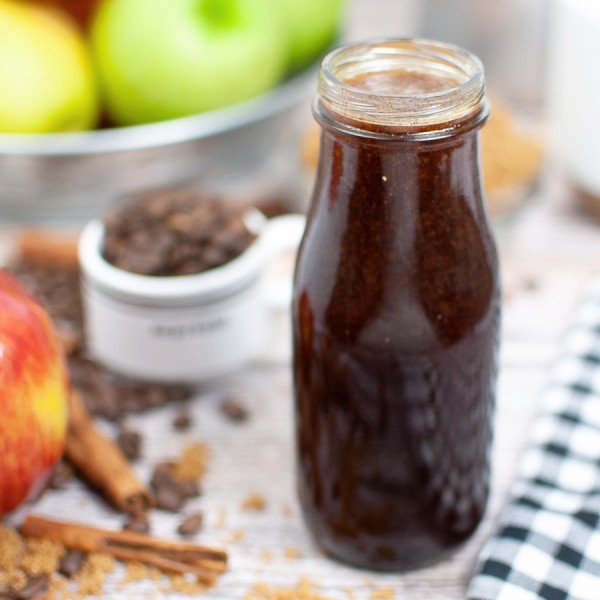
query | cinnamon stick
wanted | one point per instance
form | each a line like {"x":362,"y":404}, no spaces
{"x":48,"y":247}
{"x":101,"y":462}
{"x":170,"y":556}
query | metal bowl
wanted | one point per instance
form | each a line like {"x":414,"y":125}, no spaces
{"x":76,"y":175}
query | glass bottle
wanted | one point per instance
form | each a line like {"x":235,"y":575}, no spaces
{"x":396,"y":308}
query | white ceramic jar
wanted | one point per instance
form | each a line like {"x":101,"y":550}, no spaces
{"x":184,"y":328}
{"x":574,"y":92}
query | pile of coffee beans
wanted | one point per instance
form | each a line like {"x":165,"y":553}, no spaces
{"x":174,"y":232}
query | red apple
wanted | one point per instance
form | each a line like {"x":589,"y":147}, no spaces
{"x":33,"y":395}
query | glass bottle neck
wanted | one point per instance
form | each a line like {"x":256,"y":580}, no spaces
{"x":406,"y":89}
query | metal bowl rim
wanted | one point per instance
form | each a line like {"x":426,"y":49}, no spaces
{"x":163,"y":133}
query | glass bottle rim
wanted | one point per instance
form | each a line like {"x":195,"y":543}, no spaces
{"x":460,"y":105}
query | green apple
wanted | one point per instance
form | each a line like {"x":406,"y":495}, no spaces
{"x":161,"y":59}
{"x":311,"y":26}
{"x":46,"y":76}
{"x":34,"y":394}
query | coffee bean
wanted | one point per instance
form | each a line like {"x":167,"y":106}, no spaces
{"x":162,"y":475}
{"x":61,"y":476}
{"x":234,"y":410}
{"x":175,"y":231}
{"x":189,"y":488}
{"x":130,"y":442}
{"x":71,"y":562}
{"x":35,"y":586}
{"x":169,"y":498}
{"x":182,"y":420}
{"x":139,"y":523}
{"x":191,"y":524}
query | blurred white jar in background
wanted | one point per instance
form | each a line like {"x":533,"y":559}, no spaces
{"x":573,"y":92}
{"x":507,"y":35}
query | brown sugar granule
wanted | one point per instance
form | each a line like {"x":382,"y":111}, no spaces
{"x":510,"y":159}
{"x":26,"y":566}
{"x":136,"y":571}
{"x":383,"y":593}
{"x":305,"y":590}
{"x":181,"y":585}
{"x":93,"y":573}
{"x":255,"y":502}
{"x":12,"y":579}
{"x":11,"y":547}
{"x":193,"y":462}
{"x":41,"y":556}
{"x":266,"y":556}
{"x":292,"y":553}
{"x":237,"y":535}
{"x":222,"y":518}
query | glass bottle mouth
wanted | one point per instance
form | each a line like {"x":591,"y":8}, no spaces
{"x":413,"y":88}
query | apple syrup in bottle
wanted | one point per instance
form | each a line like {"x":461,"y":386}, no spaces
{"x":396,"y":308}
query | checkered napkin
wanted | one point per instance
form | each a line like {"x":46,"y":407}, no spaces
{"x":548,"y":540}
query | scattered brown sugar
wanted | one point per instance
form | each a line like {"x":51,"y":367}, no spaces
{"x":136,"y":571}
{"x":292,"y":553}
{"x":93,"y":573}
{"x":193,"y":462}
{"x":237,"y":535}
{"x":510,"y":159}
{"x":383,"y":593}
{"x":12,"y":579}
{"x":181,"y":585}
{"x":222,"y":518}
{"x":305,"y":590}
{"x":11,"y":547}
{"x":41,"y":556}
{"x":255,"y":502}
{"x":27,"y":567}
{"x":172,"y":583}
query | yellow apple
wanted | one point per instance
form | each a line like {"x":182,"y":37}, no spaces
{"x":33,"y":395}
{"x":46,"y":75}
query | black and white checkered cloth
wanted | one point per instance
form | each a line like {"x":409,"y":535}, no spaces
{"x":548,"y":540}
